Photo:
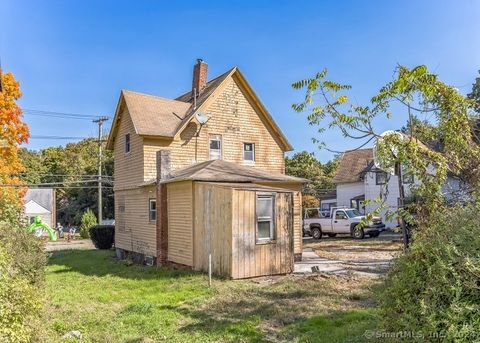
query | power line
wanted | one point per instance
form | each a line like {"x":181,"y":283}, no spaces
{"x":56,"y":137}
{"x":55,"y":175}
{"x":55,"y":187}
{"x":55,"y":183}
{"x":58,"y":114}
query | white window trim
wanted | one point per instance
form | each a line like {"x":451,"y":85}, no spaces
{"x":273,"y":222}
{"x":215,"y":138}
{"x":150,"y":209}
{"x":253,"y":151}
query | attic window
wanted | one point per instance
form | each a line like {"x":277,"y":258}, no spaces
{"x":215,"y":143}
{"x":249,"y":151}
{"x":127,"y":143}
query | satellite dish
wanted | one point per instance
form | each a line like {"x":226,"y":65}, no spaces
{"x":383,"y":154}
{"x":202,"y":117}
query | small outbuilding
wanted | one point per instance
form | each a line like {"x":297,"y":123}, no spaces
{"x":40,"y":202}
{"x":247,"y":219}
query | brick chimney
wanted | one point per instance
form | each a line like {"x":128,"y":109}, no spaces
{"x":163,"y":173}
{"x":199,"y":75}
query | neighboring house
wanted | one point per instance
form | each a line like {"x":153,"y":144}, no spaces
{"x":327,"y":201}
{"x":204,"y":174}
{"x":40,"y":202}
{"x":358,"y":179}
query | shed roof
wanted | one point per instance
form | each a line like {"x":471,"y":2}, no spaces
{"x":248,"y":186}
{"x":352,"y":165}
{"x":223,"y":171}
{"x":328,"y":195}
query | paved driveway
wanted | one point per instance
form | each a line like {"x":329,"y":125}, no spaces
{"x":340,"y":255}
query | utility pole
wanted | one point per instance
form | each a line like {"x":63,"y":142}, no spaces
{"x":100,"y":122}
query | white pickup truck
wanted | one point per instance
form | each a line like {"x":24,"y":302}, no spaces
{"x":339,"y":221}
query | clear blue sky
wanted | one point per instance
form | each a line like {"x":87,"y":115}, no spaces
{"x":76,"y":56}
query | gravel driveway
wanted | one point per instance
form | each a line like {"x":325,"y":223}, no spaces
{"x":343,"y":254}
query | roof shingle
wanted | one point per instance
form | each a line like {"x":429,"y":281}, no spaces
{"x":153,"y":115}
{"x":352,"y":165}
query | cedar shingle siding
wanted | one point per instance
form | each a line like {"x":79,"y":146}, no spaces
{"x":155,"y":123}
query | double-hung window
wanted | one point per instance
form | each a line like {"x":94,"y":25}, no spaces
{"x":152,"y":209}
{"x":248,"y":152}
{"x":265,"y":213}
{"x":215,"y":143}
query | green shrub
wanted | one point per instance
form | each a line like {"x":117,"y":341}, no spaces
{"x":103,"y":236}
{"x":88,"y":220}
{"x":22,"y":263}
{"x":434,"y":288}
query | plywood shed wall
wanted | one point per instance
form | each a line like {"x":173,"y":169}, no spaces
{"x":251,"y":259}
{"x":213,"y":228}
{"x":297,"y":211}
{"x":225,"y":226}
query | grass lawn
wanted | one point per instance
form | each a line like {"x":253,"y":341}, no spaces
{"x":109,"y":301}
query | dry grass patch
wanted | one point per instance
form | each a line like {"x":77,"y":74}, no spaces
{"x":368,"y":255}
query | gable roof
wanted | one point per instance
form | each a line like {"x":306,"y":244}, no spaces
{"x":32,"y":207}
{"x":153,"y":115}
{"x":352,"y":166}
{"x":223,"y":171}
{"x":45,"y":197}
{"x":161,"y":117}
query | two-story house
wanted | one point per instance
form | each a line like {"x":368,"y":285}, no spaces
{"x":201,"y":177}
{"x":357,"y":179}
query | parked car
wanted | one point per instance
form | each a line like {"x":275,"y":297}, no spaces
{"x":339,"y":221}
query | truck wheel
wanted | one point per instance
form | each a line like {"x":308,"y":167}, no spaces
{"x":332,"y":235}
{"x":358,"y":233}
{"x":316,"y":233}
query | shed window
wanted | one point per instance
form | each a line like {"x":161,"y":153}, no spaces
{"x":380,"y":178}
{"x":152,"y":209}
{"x":265,"y":217}
{"x":215,"y":147}
{"x":127,"y":143}
{"x":249,"y":151}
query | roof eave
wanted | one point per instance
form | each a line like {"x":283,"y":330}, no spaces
{"x":286,"y":144}
{"x":113,"y":129}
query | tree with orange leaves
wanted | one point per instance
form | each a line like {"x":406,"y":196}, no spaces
{"x":13,"y":132}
